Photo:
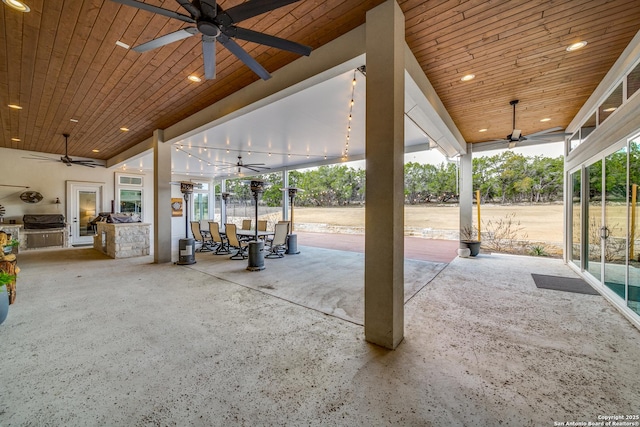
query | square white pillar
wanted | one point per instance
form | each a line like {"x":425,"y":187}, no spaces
{"x":384,"y":217}
{"x":161,"y":198}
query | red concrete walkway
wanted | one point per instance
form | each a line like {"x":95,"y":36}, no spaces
{"x":414,"y":247}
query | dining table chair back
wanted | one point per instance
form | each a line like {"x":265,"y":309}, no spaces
{"x":205,"y":242}
{"x":279,"y":242}
{"x":234,"y":242}
{"x":246,"y":224}
{"x":221,"y":244}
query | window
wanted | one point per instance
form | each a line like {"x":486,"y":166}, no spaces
{"x":129,"y":194}
{"x":633,"y":81}
{"x":588,"y":127}
{"x":201,"y":201}
{"x":610,"y":105}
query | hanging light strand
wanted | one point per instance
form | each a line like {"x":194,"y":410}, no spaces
{"x":345,"y":153}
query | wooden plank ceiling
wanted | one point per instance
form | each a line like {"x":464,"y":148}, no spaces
{"x":60,"y":62}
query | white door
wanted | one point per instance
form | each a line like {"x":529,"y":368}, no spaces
{"x":84,"y":203}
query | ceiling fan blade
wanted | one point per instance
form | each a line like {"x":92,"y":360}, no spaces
{"x":209,"y":8}
{"x":242,"y":55}
{"x":38,"y":157}
{"x":155,"y":9}
{"x":265,"y":39}
{"x":490,"y":145}
{"x":209,"y":56}
{"x":186,"y":5}
{"x":255,"y":169}
{"x":166,"y":39}
{"x":254,"y":164}
{"x":254,"y":8}
{"x":81,"y":163}
{"x":547,"y":131}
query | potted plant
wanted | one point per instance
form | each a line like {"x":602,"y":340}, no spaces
{"x":469,"y":240}
{"x":5,"y":279}
{"x":12,"y":246}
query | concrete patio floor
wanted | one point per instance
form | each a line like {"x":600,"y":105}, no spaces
{"x":96,"y":341}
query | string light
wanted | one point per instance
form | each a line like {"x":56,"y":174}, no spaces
{"x":345,"y":153}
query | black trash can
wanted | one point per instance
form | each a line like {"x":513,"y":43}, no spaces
{"x":256,"y":256}
{"x":187,"y":252}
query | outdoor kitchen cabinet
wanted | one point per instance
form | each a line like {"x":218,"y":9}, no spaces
{"x":44,"y":239}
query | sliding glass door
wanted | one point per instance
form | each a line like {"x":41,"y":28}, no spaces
{"x":633,"y":288}
{"x":610,"y":236}
{"x":593,"y":216}
{"x":614,"y":230}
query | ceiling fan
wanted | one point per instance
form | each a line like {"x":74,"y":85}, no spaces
{"x":255,"y":167}
{"x":214,"y":23}
{"x":517,"y":139}
{"x":66,"y":159}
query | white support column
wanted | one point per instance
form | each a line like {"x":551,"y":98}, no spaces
{"x":384,"y":215}
{"x":466,"y":189}
{"x":285,"y":195}
{"x":223,"y":204}
{"x":161,"y":198}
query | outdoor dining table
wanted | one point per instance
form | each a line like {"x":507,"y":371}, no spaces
{"x":249,"y":233}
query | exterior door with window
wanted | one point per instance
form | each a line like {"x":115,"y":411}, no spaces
{"x":85,"y":201}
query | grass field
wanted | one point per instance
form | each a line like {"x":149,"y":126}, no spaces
{"x":539,"y":222}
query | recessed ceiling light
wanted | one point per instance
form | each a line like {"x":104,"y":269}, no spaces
{"x":546,"y":119}
{"x":15,"y":106}
{"x":194,"y":78}
{"x":123,"y":129}
{"x":576,"y":46}
{"x":468,"y":77}
{"x":609,"y":110}
{"x":124,"y":45}
{"x":15,"y":139}
{"x":73,"y":120}
{"x":17,"y":5}
{"x":482,"y":130}
{"x":95,"y":150}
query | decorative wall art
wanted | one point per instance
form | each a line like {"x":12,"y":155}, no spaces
{"x":176,"y":206}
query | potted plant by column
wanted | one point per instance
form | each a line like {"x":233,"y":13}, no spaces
{"x":5,"y":279}
{"x":469,"y":240}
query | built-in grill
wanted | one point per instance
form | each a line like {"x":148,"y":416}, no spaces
{"x":43,"y":221}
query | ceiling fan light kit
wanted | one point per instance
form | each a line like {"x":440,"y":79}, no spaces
{"x":216,"y":24}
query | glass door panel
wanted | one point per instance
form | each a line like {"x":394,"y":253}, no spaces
{"x":87,"y":205}
{"x":633,"y":289}
{"x":593,"y":216}
{"x":614,"y":232}
{"x":576,"y":181}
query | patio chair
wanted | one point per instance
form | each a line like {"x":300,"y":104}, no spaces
{"x":246,"y":225}
{"x":279,"y":242}
{"x":232,"y":238}
{"x":270,"y":238}
{"x":288,"y":225}
{"x":262,"y":226}
{"x":205,"y":242}
{"x":221,"y":245}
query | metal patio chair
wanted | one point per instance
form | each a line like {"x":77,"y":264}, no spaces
{"x":279,"y":243}
{"x":232,"y":238}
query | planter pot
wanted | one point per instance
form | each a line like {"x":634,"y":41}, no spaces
{"x":4,"y":303}
{"x":473,"y":245}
